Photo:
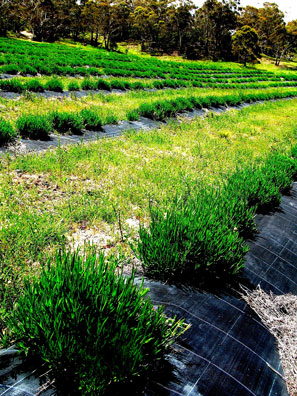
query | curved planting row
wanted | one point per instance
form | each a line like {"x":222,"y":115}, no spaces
{"x":160,"y":110}
{"x":35,"y":126}
{"x":18,"y":57}
{"x":136,"y":70}
{"x":246,"y":85}
{"x":201,"y":236}
{"x":56,"y":85}
{"x":39,"y":126}
{"x":118,"y":70}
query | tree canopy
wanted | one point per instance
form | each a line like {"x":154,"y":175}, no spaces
{"x":245,"y":44}
{"x":158,"y":25}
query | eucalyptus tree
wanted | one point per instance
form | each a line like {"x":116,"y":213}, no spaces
{"x":245,"y":45}
{"x":216,"y":21}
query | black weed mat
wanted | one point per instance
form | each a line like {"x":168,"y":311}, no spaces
{"x":25,"y":146}
{"x":227,"y":351}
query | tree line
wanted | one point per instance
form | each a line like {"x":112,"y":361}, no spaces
{"x":218,"y":30}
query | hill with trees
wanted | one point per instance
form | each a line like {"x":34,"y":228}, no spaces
{"x":160,"y":26}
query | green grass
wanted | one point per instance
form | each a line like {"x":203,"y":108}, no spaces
{"x":49,"y":198}
{"x":92,"y":179}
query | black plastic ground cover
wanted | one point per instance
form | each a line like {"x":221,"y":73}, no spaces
{"x":227,"y":351}
{"x":25,"y":146}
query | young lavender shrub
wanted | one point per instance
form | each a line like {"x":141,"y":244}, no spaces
{"x":34,"y":126}
{"x":12,"y":85}
{"x":91,"y":119}
{"x":88,"y":84}
{"x":7,"y":132}
{"x":54,"y":84}
{"x":64,"y":122}
{"x":94,"y":327}
{"x":34,"y":85}
{"x":102,"y":84}
{"x":73,"y":86}
{"x":192,"y":238}
{"x":262,"y":185}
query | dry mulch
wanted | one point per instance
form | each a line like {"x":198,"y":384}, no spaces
{"x":279,"y":314}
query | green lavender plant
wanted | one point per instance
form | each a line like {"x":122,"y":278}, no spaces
{"x":90,"y":324}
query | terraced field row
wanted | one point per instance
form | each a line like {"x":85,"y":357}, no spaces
{"x":28,"y":58}
{"x":35,"y":114}
{"x":20,"y":85}
{"x":39,"y":117}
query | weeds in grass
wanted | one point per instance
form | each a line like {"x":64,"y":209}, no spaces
{"x":133,"y":115}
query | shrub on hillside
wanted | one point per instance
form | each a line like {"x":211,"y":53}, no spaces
{"x":34,"y":85}
{"x":88,"y":84}
{"x":13,"y":85}
{"x":119,"y":84}
{"x":73,"y":86}
{"x":192,"y":239}
{"x":91,"y":119}
{"x":10,"y":69}
{"x":102,"y":84}
{"x":27,"y":69}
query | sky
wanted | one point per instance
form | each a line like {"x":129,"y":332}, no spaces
{"x":289,"y":7}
